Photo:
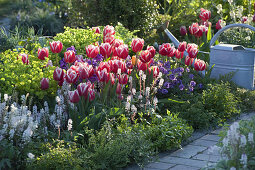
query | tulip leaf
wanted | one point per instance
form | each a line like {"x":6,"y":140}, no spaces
{"x":209,"y":33}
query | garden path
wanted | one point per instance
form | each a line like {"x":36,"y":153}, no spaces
{"x":193,"y":156}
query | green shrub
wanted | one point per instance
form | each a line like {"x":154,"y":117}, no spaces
{"x":14,"y":75}
{"x":247,"y":98}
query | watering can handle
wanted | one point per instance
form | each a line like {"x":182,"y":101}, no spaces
{"x":228,"y":27}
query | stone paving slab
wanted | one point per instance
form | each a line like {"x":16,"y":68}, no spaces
{"x":209,"y":158}
{"x":184,"y":167}
{"x":209,"y":152}
{"x":184,"y":161}
{"x":188,"y":151}
{"x":159,"y":165}
{"x":201,"y":142}
{"x":216,"y":132}
{"x":211,"y":137}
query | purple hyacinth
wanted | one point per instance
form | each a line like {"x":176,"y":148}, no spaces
{"x":181,"y":87}
{"x":192,"y":83}
{"x":191,"y":76}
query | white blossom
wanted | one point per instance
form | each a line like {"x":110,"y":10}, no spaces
{"x":147,"y":91}
{"x":160,"y":75}
{"x":6,"y":97}
{"x":133,"y":109}
{"x":219,"y":8}
{"x":133,"y":91}
{"x":242,"y":141}
{"x":243,"y":159}
{"x":69,"y":124}
{"x":250,"y":137}
{"x":30,"y":155}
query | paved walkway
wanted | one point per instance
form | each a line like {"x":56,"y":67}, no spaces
{"x":193,"y":156}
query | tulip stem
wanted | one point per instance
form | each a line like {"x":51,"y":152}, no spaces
{"x":57,"y":59}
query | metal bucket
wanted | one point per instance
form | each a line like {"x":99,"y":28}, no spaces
{"x":228,"y":58}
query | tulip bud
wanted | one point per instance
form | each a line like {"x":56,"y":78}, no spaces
{"x":56,"y":46}
{"x":96,"y":29}
{"x":122,"y":51}
{"x":92,"y":51}
{"x":152,"y":50}
{"x":58,"y":74}
{"x":182,"y":46}
{"x":44,"y":83}
{"x":71,"y":76}
{"x":74,"y":96}
{"x":24,"y":58}
{"x":145,"y":56}
{"x":137,"y":45}
{"x":105,"y":49}
{"x":108,"y":30}
{"x":178,"y":54}
{"x":199,"y":65}
{"x":42,"y":53}
{"x":118,"y":89}
{"x":69,"y":56}
{"x":183,"y":30}
{"x":205,"y":15}
{"x":194,"y":28}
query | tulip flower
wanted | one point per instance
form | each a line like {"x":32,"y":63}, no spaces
{"x":116,"y":44}
{"x":108,"y":39}
{"x":182,"y":46}
{"x":183,"y":30}
{"x":92,"y":94}
{"x":104,"y":65}
{"x":141,"y":66}
{"x":145,"y":56}
{"x":188,"y":61}
{"x":192,"y":51}
{"x":74,"y":96}
{"x":194,"y":28}
{"x":71,"y":76}
{"x":164,"y":49}
{"x":103,"y":75}
{"x":122,"y":51}
{"x":152,"y":50}
{"x":108,"y":30}
{"x":155,"y":70}
{"x":24,"y":58}
{"x":105,"y":49}
{"x":171,"y":51}
{"x":83,"y":89}
{"x":69,"y":56}
{"x":58,"y":74}
{"x":178,"y":54}
{"x":44,"y":83}
{"x":137,"y":45}
{"x":118,"y":89}
{"x":219,"y":24}
{"x":123,"y":79}
{"x":96,"y":29}
{"x":42,"y":53}
{"x":56,"y":46}
{"x":112,"y":78}
{"x":199,"y":65}
{"x":205,"y":15}
{"x":92,"y":51}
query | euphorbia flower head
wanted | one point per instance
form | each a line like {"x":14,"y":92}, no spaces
{"x":199,"y":65}
{"x":69,"y":56}
{"x":96,"y":29}
{"x":92,"y":51}
{"x":183,"y":30}
{"x":152,"y":50}
{"x":164,"y":49}
{"x":83,"y":89}
{"x":122,"y":51}
{"x":189,"y":61}
{"x":74,"y":96}
{"x":145,"y":56}
{"x":58,"y":74}
{"x":137,"y":44}
{"x":71,"y":76}
{"x":123,"y":79}
{"x":24,"y":58}
{"x":182,"y":46}
{"x":42,"y":53}
{"x":108,"y":30}
{"x":44,"y":83}
{"x":105,"y":49}
{"x":56,"y":46}
{"x":205,"y":15}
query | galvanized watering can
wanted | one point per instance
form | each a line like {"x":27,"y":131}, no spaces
{"x":228,"y":58}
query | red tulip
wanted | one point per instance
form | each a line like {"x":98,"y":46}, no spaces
{"x":108,"y":30}
{"x":44,"y":83}
{"x":194,"y":28}
{"x":118,"y":89}
{"x":178,"y":54}
{"x":199,"y":65}
{"x":96,"y":29}
{"x":60,"y":83}
{"x":192,"y":50}
{"x":145,"y":56}
{"x":244,"y":19}
{"x":86,"y":71}
{"x":91,"y":94}
{"x":105,"y":49}
{"x":123,"y":79}
{"x":122,"y":51}
{"x":164,"y":49}
{"x":116,"y":44}
{"x":152,"y":50}
{"x":42,"y":53}
{"x":104,"y":65}
{"x":137,"y":45}
{"x":112,"y":78}
{"x":75,"y":68}
{"x":58,"y":74}
{"x":83,"y":89}
{"x":205,"y":15}
{"x":155,"y":70}
{"x":71,"y":76}
{"x":183,"y":30}
{"x":108,"y":39}
{"x":69,"y":56}
{"x":24,"y":58}
{"x":203,"y":29}
{"x":188,"y":61}
{"x":74,"y":96}
{"x":182,"y":46}
{"x":171,"y":51}
{"x":92,"y":51}
{"x":218,"y":24}
{"x":141,"y":66}
{"x":56,"y":46}
{"x":103,"y":75}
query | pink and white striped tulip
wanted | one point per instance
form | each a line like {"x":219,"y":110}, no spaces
{"x":56,"y":46}
{"x":58,"y":74}
{"x":71,"y":76}
{"x":74,"y":96}
{"x":44,"y":83}
{"x":105,"y":49}
{"x":92,"y":51}
{"x":137,"y":45}
{"x":42,"y":53}
{"x":69,"y":56}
